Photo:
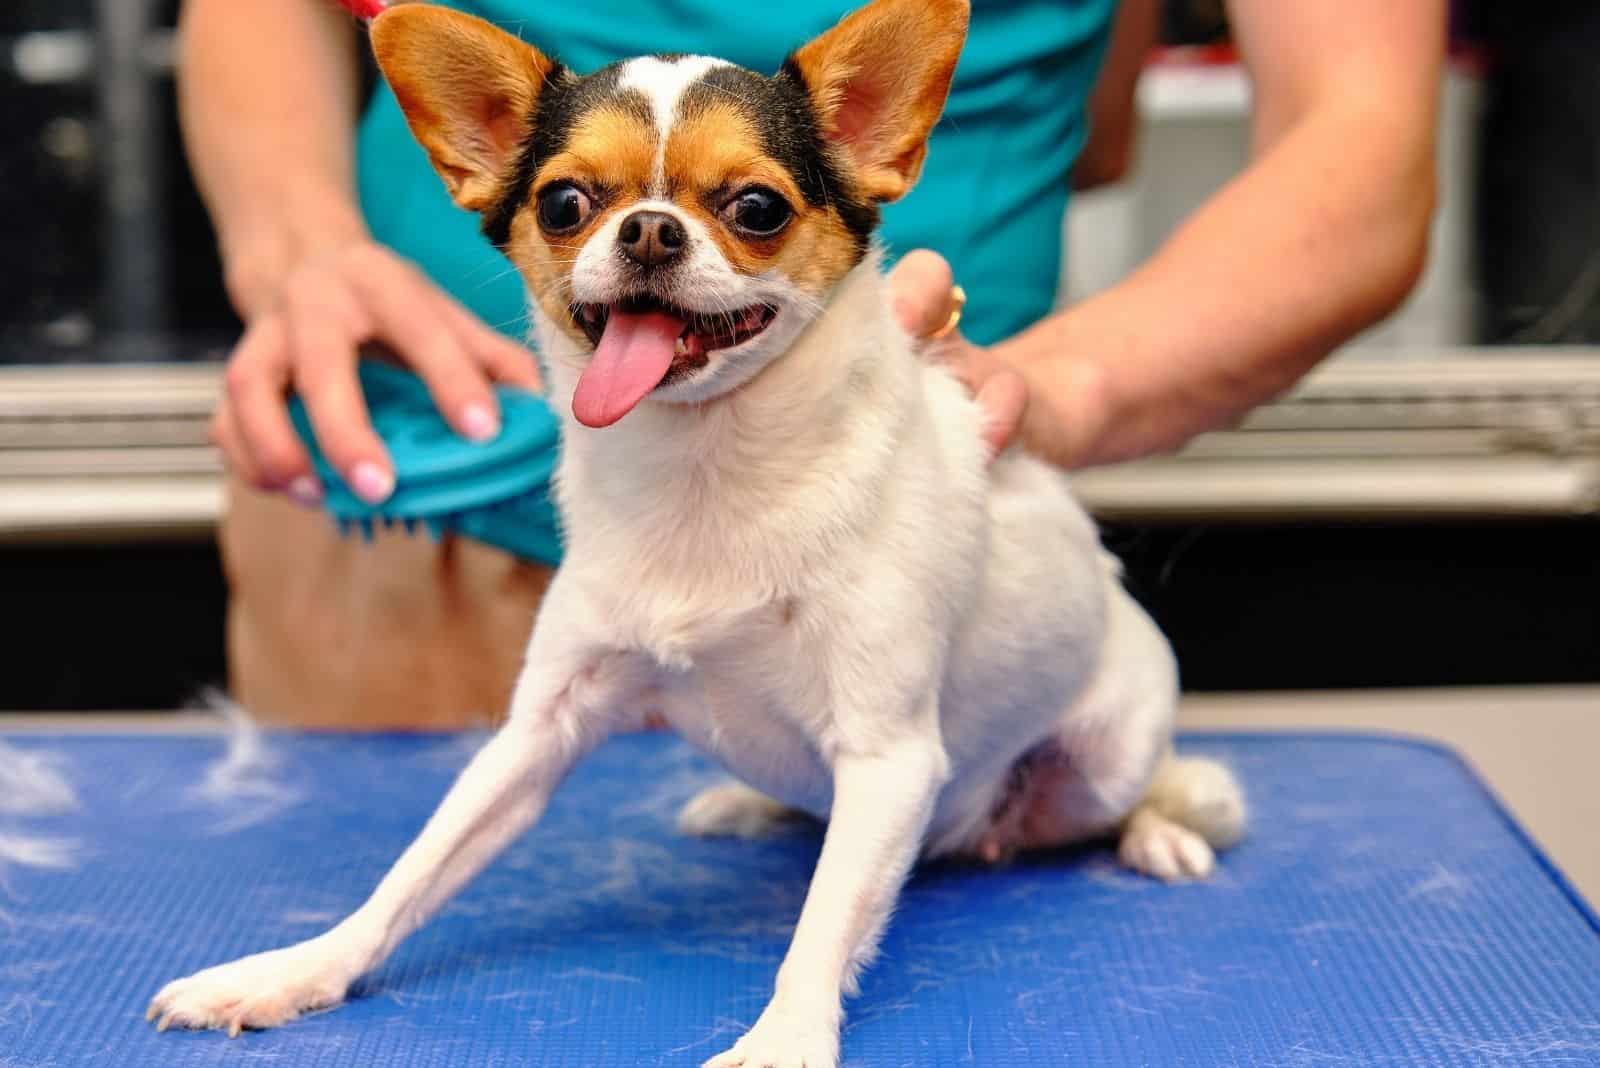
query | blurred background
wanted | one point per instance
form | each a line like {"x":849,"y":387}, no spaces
{"x":1420,"y":513}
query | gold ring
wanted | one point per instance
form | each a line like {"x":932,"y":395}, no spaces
{"x":958,"y":297}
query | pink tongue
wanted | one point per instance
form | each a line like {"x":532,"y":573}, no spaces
{"x":633,"y":356}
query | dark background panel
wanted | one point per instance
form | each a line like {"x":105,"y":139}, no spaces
{"x":1300,"y":606}
{"x":1247,"y":608}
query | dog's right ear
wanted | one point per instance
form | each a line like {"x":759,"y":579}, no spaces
{"x":468,"y":91}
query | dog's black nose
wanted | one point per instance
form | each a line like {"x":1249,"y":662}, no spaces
{"x":651,"y":238}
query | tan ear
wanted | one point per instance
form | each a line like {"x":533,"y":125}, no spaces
{"x":879,"y":80}
{"x":468,"y":91}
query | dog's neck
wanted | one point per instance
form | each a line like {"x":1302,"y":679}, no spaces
{"x":817,"y":424}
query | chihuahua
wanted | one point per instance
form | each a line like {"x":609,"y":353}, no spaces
{"x":785,"y":535}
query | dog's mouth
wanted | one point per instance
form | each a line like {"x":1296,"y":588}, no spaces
{"x":702,"y":332}
{"x":643,"y":342}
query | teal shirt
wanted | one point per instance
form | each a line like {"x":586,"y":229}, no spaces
{"x":991,"y":197}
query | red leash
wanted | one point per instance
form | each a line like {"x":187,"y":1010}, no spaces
{"x":364,"y":10}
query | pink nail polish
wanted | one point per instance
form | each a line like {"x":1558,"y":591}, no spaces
{"x":371,"y":482}
{"x":480,"y":423}
{"x":305,"y":491}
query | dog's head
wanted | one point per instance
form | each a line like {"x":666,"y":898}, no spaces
{"x":679,"y":218}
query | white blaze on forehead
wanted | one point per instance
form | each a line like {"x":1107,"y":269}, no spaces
{"x":663,"y":82}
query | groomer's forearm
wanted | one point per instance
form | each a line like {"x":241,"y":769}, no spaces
{"x":1113,"y":112}
{"x":1321,"y":237}
{"x":268,"y":98}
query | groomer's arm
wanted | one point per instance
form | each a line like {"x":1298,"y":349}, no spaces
{"x":268,"y":102}
{"x":268,"y":98}
{"x":1113,"y":106}
{"x":1322,"y":235}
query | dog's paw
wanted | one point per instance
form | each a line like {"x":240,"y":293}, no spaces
{"x":783,"y":1039}
{"x":264,"y":990}
{"x":732,"y":809}
{"x":1155,"y":846}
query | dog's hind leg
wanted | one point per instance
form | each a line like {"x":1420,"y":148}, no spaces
{"x":1109,"y":770}
{"x":734,"y":810}
{"x":1193,"y":807}
{"x":1190,"y":806}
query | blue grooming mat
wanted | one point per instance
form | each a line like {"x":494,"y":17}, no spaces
{"x":1384,"y":911}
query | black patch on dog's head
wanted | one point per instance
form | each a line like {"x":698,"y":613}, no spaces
{"x":565,"y":98}
{"x":780,"y":109}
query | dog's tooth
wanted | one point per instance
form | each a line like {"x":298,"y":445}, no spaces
{"x":680,"y":347}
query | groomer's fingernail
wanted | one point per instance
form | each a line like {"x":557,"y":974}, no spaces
{"x":371,"y":482}
{"x":305,"y":490}
{"x":480,"y":423}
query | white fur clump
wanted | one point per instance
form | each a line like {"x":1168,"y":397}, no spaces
{"x":32,"y":784}
{"x":33,"y":851}
{"x":244,"y":785}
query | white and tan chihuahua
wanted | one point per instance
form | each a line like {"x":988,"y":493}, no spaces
{"x":784,"y":534}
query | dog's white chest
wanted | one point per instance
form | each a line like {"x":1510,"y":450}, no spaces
{"x":738,"y":686}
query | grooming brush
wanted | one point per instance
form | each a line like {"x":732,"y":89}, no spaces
{"x":496,"y":491}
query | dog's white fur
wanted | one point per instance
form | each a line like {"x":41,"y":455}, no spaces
{"x":815,"y":573}
{"x":821,"y":581}
{"x":663,"y":82}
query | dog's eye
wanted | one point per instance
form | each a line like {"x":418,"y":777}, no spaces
{"x":563,"y":207}
{"x":758,"y":211}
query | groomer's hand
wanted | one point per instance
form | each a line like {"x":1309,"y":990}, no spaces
{"x":926,"y":302}
{"x":305,"y":326}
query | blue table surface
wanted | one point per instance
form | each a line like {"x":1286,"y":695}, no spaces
{"x":1384,"y":911}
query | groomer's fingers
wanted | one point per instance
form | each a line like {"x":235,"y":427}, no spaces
{"x":922,"y":292}
{"x":406,"y":311}
{"x":327,"y":324}
{"x":1003,"y":398}
{"x":254,"y":430}
{"x":926,"y":301}
{"x":302,"y":489}
{"x":500,"y":357}
{"x":235,"y":457}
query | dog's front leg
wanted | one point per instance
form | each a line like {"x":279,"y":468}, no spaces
{"x":881,"y":806}
{"x":561,"y":709}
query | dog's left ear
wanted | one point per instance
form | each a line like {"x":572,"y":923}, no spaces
{"x":878,"y":81}
{"x":468,"y":91}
